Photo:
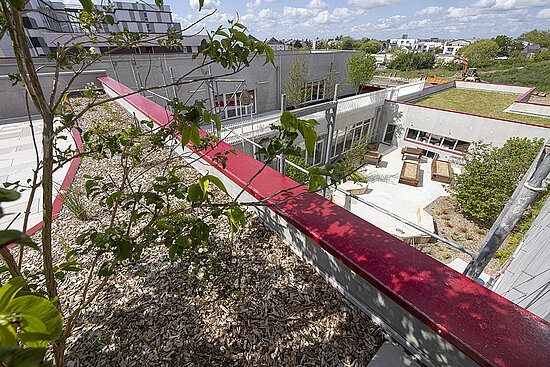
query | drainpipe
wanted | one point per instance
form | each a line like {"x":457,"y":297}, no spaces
{"x":523,"y":196}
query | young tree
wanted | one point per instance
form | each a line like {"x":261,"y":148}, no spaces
{"x":147,"y":210}
{"x":295,"y":82}
{"x":480,"y":53}
{"x":360,"y":68}
{"x":491,"y":175}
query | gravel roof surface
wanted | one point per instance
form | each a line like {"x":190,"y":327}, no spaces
{"x":262,"y":307}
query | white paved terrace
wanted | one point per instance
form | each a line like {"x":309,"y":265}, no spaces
{"x":406,"y":201}
{"x":17,"y":161}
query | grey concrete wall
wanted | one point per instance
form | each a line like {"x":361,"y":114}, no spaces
{"x":12,"y":98}
{"x":501,"y":88}
{"x":426,"y":92}
{"x":455,"y":125}
{"x":267,"y":80}
{"x":409,"y":331}
{"x":529,"y":109}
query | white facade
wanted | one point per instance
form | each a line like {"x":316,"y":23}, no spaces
{"x":452,"y":47}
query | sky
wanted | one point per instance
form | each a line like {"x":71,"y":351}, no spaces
{"x":379,"y":19}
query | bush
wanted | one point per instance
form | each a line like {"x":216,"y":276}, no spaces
{"x":405,"y":61}
{"x":491,"y":175}
{"x":293,"y":172}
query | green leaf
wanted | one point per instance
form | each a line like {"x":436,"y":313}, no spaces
{"x":217,"y":121}
{"x":13,"y":236}
{"x":88,"y":5}
{"x":289,"y":121}
{"x":8,"y":195}
{"x":17,"y":4}
{"x":9,"y":290}
{"x":42,"y":321}
{"x":195,"y":194}
{"x":28,"y":357}
{"x":269,"y":55}
{"x":206,"y":116}
{"x":216,"y":181}
{"x":106,"y":269}
{"x":195,"y":135}
{"x":185,"y":135}
{"x":310,"y":137}
{"x":7,"y":335}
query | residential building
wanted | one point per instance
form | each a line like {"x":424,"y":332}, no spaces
{"x":453,"y":46}
{"x":58,"y":24}
{"x":277,"y":45}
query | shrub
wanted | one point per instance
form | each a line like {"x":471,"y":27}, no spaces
{"x":491,"y":175}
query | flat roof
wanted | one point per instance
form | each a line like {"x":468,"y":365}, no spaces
{"x":478,"y":102}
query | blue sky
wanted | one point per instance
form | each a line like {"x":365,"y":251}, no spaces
{"x":381,"y":19}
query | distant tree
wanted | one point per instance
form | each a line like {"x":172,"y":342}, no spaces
{"x":491,"y":175}
{"x":541,"y":37}
{"x":360,"y":68}
{"x":406,"y":61}
{"x":504,"y":45}
{"x":438,"y":50}
{"x":480,"y":53}
{"x":295,"y":81}
{"x":297,"y":44}
{"x":346,"y":43}
{"x":371,"y":46}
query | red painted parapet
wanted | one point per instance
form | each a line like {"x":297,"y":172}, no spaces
{"x":486,"y":327}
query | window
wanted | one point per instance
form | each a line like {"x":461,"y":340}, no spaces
{"x":437,"y":140}
{"x":388,"y":136}
{"x":230,"y":105}
{"x":462,"y":146}
{"x":314,"y":91}
{"x":188,"y":49}
{"x":412,"y":134}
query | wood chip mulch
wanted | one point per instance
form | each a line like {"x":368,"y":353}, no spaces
{"x":264,"y":307}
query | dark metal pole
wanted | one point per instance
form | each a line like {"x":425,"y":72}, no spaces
{"x":524,"y":195}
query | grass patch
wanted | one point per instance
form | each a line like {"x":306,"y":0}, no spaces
{"x":491,"y":104}
{"x":530,"y":74}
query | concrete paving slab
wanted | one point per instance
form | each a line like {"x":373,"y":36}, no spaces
{"x":391,"y":355}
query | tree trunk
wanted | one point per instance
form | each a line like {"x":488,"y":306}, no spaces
{"x":47,"y":209}
{"x":59,"y":352}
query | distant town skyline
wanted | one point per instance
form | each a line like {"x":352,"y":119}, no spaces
{"x":380,"y":19}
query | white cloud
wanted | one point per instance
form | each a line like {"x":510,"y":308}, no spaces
{"x":544,"y":14}
{"x":430,"y":10}
{"x":268,"y":14}
{"x":338,"y":15}
{"x":369,"y":4}
{"x":509,"y":4}
{"x":208,"y":4}
{"x":289,"y":11}
{"x":317,"y":4}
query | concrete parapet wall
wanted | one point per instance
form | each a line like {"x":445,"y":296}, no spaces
{"x":489,"y":87}
{"x":426,"y":92}
{"x":12,"y":98}
{"x":532,"y":109}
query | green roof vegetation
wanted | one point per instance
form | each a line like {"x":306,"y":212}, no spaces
{"x":477,"y":102}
